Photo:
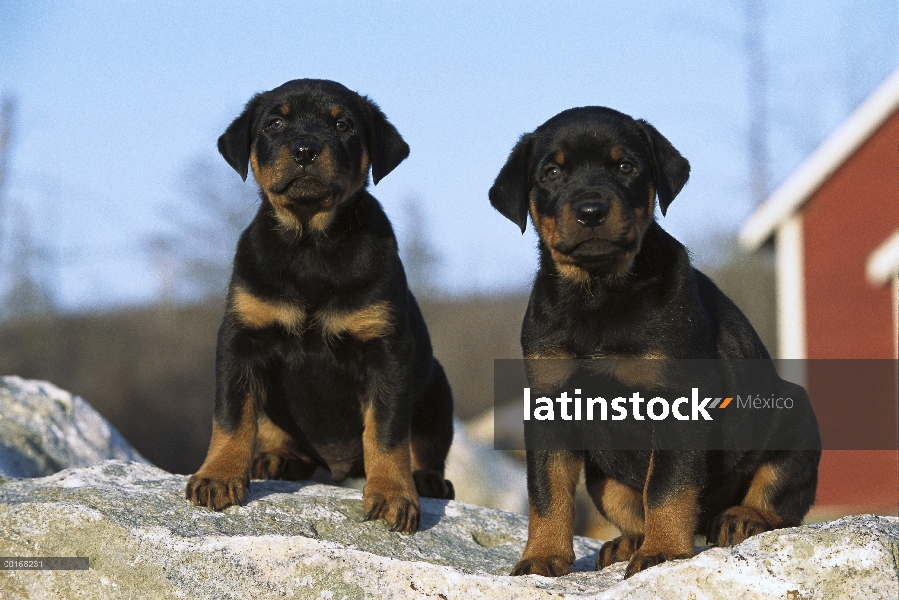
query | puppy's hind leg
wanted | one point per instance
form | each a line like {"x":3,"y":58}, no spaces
{"x":782,"y":488}
{"x":276,"y":456}
{"x":780,"y":493}
{"x":622,"y":505}
{"x":432,"y":434}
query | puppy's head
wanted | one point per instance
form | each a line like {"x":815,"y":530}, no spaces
{"x":589,"y":178}
{"x":310,"y":144}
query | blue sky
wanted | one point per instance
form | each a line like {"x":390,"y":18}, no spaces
{"x":116,"y":99}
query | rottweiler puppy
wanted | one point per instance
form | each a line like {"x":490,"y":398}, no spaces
{"x":323,"y":358}
{"x":613,"y":283}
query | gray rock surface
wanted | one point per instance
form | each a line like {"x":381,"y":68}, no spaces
{"x":304,"y":540}
{"x":44,"y":429}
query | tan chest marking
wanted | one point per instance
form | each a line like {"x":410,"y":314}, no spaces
{"x":549,"y":367}
{"x":256,"y":313}
{"x":364,"y":324}
{"x":643,"y":370}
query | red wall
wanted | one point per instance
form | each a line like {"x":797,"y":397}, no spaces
{"x":843,"y":222}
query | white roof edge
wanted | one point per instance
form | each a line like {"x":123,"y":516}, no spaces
{"x":883,"y":263}
{"x":826,"y":159}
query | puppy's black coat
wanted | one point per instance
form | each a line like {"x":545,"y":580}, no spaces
{"x":612,"y":283}
{"x":323,"y":358}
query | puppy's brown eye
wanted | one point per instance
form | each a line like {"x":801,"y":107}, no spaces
{"x":275,"y":124}
{"x":552,"y":172}
{"x":625,"y":168}
{"x":342,"y":126}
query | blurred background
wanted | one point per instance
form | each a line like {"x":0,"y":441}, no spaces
{"x":118,"y":218}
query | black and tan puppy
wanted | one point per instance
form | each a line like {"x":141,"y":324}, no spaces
{"x":612,"y":283}
{"x":323,"y":358}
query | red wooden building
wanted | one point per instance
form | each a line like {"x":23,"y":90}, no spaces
{"x":834,"y":224}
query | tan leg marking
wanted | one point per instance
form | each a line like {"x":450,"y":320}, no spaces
{"x":276,"y":457}
{"x":269,"y":436}
{"x":550,"y":546}
{"x":389,"y":492}
{"x":620,"y":549}
{"x":755,"y":515}
{"x":621,"y":504}
{"x":762,"y":487}
{"x":224,"y":477}
{"x":668,"y":529}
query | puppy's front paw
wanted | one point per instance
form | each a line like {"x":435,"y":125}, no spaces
{"x":618,"y":550}
{"x":216,"y":492}
{"x":393,"y":503}
{"x":737,"y":523}
{"x":643,"y":559}
{"x":548,"y":566}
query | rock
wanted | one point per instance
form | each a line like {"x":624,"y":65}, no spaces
{"x":305,"y":540}
{"x":44,"y":429}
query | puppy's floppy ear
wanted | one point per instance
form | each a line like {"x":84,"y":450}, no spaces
{"x":237,"y":140}
{"x":509,"y":194}
{"x":386,"y":147}
{"x":669,"y":169}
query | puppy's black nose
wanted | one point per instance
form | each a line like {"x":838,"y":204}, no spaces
{"x":305,"y":152}
{"x":591,"y":214}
